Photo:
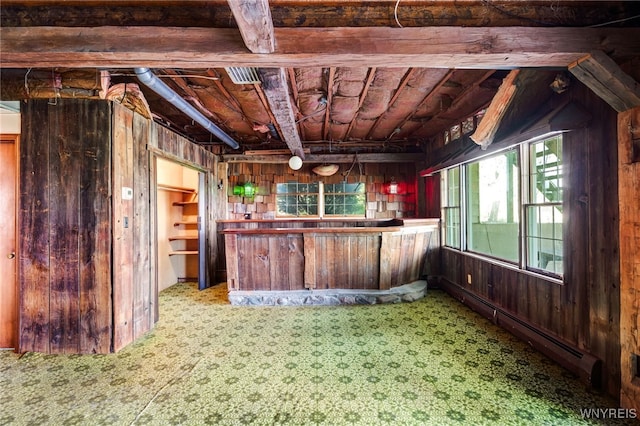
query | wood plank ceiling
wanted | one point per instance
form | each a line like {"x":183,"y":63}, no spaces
{"x":336,"y":77}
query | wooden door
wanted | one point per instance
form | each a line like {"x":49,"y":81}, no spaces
{"x":8,"y":249}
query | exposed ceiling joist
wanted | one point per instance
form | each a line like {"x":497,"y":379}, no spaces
{"x":363,"y":95}
{"x":431,"y":47}
{"x":324,"y":158}
{"x":327,"y":111}
{"x":490,"y":124}
{"x":602,"y":75}
{"x":254,"y":22}
{"x":276,"y":89}
{"x":403,"y":84}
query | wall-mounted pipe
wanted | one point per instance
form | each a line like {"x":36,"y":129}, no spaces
{"x":154,"y":83}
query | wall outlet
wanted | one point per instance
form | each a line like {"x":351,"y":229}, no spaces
{"x":469,"y":279}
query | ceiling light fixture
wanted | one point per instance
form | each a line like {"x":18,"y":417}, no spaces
{"x":326,"y":169}
{"x":295,"y":163}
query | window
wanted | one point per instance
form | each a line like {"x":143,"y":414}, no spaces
{"x":344,"y":199}
{"x":511,"y":203}
{"x":543,"y":210}
{"x":493,"y":206}
{"x":451,"y":208}
{"x":317,"y":199}
{"x":297,"y":199}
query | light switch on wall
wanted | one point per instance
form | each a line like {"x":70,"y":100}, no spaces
{"x":127,"y":193}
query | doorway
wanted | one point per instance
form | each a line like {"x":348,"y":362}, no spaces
{"x":180,"y":201}
{"x":8,"y":243}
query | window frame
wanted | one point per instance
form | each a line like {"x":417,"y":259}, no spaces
{"x":326,"y":194}
{"x":529,"y":201}
{"x":526,"y":201}
{"x":321,"y":194}
{"x":297,"y":194}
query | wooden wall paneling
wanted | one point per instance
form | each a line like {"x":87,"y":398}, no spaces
{"x":232,"y":260}
{"x":329,"y":262}
{"x":407,"y":247}
{"x":64,"y":224}
{"x":373,"y":261}
{"x":219,"y":211}
{"x":629,"y":192}
{"x":576,"y":225}
{"x":95,"y":231}
{"x":604,"y":271}
{"x":395,"y":247}
{"x":417,"y":255}
{"x":34,"y":226}
{"x":310,"y":280}
{"x":322,"y":258}
{"x":296,"y":262}
{"x":341,"y":262}
{"x":386,"y":257}
{"x":359,"y":249}
{"x":278,"y":262}
{"x":123,"y":242}
{"x":143,"y":286}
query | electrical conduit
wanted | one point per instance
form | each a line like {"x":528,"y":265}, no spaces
{"x":154,"y":83}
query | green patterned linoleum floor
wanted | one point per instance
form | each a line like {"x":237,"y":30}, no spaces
{"x":430,"y":362}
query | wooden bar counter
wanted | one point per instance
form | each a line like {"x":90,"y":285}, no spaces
{"x":310,"y":258}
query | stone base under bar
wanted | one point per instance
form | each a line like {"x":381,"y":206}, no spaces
{"x":404,"y":293}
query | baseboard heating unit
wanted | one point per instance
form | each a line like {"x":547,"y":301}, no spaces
{"x":584,"y":365}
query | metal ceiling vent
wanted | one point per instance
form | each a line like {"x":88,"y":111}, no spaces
{"x":243,"y":75}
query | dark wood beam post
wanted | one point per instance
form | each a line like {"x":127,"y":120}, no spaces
{"x":276,"y":89}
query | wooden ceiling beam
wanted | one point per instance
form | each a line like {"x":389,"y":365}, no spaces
{"x":321,"y":13}
{"x":296,"y":100}
{"x":327,"y":112}
{"x":602,"y":75}
{"x":324,"y":158}
{"x":431,"y":47}
{"x":276,"y":89}
{"x":254,"y":22}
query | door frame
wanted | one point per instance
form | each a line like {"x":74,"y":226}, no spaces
{"x":204,"y":178}
{"x":14,"y":139}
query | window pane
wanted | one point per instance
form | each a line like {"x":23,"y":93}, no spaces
{"x":344,"y":199}
{"x":452,"y":227}
{"x":451,"y":207}
{"x":295,"y":199}
{"x":493,"y":206}
{"x":546,"y":171}
{"x":544,"y":238}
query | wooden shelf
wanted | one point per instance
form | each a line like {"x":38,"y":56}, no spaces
{"x":176,"y":188}
{"x":182,"y":252}
{"x":186,"y":222}
{"x":185,"y":203}
{"x":183,"y":237}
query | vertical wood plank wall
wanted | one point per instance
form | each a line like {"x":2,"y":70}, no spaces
{"x":64,"y":215}
{"x":134,"y":291}
{"x":584,"y":311}
{"x":629,"y":184}
{"x":87,"y":256}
